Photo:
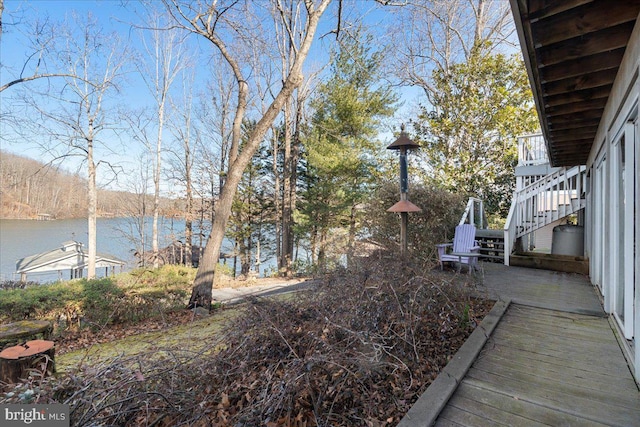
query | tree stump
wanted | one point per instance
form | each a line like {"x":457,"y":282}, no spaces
{"x":17,"y":332}
{"x":17,"y":361}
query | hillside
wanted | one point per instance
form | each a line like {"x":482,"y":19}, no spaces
{"x":29,"y":188}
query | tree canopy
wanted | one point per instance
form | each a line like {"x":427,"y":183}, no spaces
{"x":469,"y":131}
{"x":340,"y":148}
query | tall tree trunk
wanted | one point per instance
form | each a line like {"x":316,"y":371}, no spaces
{"x":351,"y":245}
{"x":202,"y":290}
{"x":92,"y":213}
{"x":322,"y":251}
{"x":277,"y":194}
{"x":285,"y":254}
{"x":188,"y":223}
{"x":481,"y":21}
{"x":295,"y":158}
{"x":156,"y":193}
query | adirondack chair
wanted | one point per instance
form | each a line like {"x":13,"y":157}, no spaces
{"x":463,"y":242}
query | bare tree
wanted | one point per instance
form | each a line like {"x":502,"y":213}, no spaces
{"x":42,"y":36}
{"x":1,"y":10}
{"x":165,"y":50}
{"x":77,"y":113}
{"x":440,"y":33}
{"x":215,"y":23}
{"x":183,"y":160}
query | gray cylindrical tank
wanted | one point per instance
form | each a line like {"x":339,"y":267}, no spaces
{"x":568,"y":240}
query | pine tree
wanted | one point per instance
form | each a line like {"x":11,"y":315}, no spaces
{"x":340,"y":151}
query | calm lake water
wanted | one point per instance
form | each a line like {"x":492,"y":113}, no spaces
{"x":21,"y":238}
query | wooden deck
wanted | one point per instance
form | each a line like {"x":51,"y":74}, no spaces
{"x":540,"y":288}
{"x":552,"y":360}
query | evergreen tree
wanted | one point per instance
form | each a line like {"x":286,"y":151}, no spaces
{"x":252,"y":213}
{"x":469,"y":131}
{"x":340,"y":151}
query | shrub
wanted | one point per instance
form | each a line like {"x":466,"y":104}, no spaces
{"x":127,"y":297}
{"x":441,"y":212}
{"x":14,"y":284}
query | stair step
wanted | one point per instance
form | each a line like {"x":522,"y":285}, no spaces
{"x":491,"y":244}
{"x":493,"y":257}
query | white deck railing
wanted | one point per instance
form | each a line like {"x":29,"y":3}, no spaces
{"x":532,"y":150}
{"x":474,"y":213}
{"x":549,"y":199}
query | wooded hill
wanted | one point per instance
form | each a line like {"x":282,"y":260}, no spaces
{"x":29,"y":188}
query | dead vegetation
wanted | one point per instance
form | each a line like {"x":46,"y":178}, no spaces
{"x":356,"y":351}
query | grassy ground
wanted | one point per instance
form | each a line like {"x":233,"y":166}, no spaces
{"x":194,"y":336}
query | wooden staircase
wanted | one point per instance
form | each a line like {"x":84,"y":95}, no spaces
{"x":491,"y":244}
{"x":491,"y":241}
{"x":546,"y":200}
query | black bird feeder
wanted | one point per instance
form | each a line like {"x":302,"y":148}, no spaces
{"x":404,"y":206}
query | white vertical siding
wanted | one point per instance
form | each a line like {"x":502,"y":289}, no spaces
{"x":615,"y":263}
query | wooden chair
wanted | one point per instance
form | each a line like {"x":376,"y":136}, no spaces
{"x":464,"y":241}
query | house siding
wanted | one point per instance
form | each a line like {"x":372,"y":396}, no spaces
{"x":613,"y":234}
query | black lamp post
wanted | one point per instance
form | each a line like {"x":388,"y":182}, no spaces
{"x":404,"y":206}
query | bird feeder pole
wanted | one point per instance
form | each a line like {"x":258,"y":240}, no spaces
{"x":404,"y":206}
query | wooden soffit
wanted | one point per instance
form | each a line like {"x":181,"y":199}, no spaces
{"x":572,"y":50}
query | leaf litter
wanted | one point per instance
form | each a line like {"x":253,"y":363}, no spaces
{"x":357,"y":350}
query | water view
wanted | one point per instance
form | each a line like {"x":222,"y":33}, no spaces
{"x":116,"y":236}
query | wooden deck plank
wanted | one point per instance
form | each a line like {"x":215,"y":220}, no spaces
{"x":569,"y":342}
{"x":491,"y":413}
{"x":441,"y":422}
{"x":571,"y":319}
{"x":605,"y":412}
{"x":542,"y":357}
{"x":570,"y":357}
{"x":536,"y":376}
{"x":558,"y":319}
{"x":593,"y":355}
{"x":540,"y":288}
{"x":521,"y":412}
{"x":583,"y":376}
{"x":595,"y":333}
{"x":465,"y":418}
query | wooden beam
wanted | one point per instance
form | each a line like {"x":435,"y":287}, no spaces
{"x":587,"y":81}
{"x":573,"y":134}
{"x":589,"y":64}
{"x":570,"y":146}
{"x":576,"y":124}
{"x":584,"y":19}
{"x":539,"y":9}
{"x":580,"y":116}
{"x":578,"y":95}
{"x":577,"y":107}
{"x":590,"y":44}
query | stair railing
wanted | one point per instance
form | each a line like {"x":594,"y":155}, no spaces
{"x":474,"y":213}
{"x":549,"y":199}
{"x":532,"y":150}
{"x":510,"y":230}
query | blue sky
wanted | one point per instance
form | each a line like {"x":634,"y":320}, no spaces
{"x":114,"y":17}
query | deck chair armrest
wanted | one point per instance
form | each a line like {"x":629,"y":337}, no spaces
{"x":443,"y":245}
{"x":475,"y":248}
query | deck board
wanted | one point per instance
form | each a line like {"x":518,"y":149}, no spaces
{"x":553,"y":359}
{"x":540,"y":288}
{"x":503,"y":408}
{"x":563,"y":373}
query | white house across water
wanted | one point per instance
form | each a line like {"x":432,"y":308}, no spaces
{"x":70,"y":257}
